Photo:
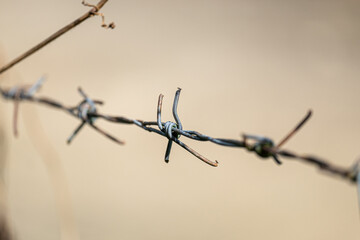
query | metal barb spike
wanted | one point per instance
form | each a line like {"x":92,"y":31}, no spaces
{"x":19,"y":93}
{"x":173,"y":131}
{"x":291,"y":133}
{"x":34,"y":88}
{"x":84,"y":111}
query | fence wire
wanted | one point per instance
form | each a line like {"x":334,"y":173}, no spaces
{"x":87,"y":112}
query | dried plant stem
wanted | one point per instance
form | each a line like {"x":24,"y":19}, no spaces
{"x":56,"y":173}
{"x":54,"y":36}
{"x":5,"y":228}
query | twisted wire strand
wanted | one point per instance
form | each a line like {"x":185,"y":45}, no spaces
{"x":264,"y":147}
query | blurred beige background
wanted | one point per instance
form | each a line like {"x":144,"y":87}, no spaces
{"x":244,"y":66}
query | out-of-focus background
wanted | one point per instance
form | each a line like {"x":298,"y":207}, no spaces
{"x":244,"y":67}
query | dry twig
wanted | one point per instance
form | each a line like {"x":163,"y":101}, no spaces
{"x":92,"y":12}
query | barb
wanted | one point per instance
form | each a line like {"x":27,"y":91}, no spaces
{"x":93,"y":11}
{"x":169,"y":129}
{"x":85,"y":111}
{"x":290,"y":134}
{"x":19,"y":93}
{"x":264,"y":147}
{"x":261,"y":146}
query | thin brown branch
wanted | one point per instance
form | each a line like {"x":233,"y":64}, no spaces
{"x":54,"y":36}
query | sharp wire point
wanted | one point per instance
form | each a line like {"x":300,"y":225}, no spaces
{"x":291,"y":133}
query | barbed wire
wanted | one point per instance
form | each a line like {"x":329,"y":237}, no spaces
{"x":87,"y":112}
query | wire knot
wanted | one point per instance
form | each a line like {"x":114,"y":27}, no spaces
{"x":263,"y":147}
{"x":168,"y":129}
{"x":173,"y":131}
{"x":86,"y":111}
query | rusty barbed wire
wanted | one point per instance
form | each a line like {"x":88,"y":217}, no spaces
{"x":87,"y":112}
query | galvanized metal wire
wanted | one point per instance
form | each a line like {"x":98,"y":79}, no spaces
{"x":87,"y":112}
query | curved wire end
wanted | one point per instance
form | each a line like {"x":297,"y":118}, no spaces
{"x":263,"y":147}
{"x":215,"y":164}
{"x":161,"y":96}
{"x":276,"y":159}
{"x":196,"y":154}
